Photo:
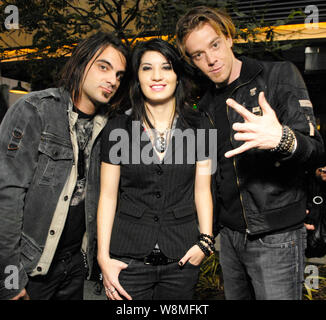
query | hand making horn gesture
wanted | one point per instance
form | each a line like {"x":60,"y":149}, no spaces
{"x":261,"y":132}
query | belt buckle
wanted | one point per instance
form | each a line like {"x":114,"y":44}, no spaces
{"x":148,"y":260}
{"x":155,"y":259}
{"x":159,"y":260}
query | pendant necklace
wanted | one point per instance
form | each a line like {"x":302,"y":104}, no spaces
{"x":161,"y":138}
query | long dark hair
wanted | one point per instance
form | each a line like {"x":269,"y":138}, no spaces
{"x":72,"y":74}
{"x":183,"y":99}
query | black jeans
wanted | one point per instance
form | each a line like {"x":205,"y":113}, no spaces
{"x":162,"y":282}
{"x":64,"y":281}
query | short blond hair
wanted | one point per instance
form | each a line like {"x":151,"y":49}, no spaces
{"x":198,"y":16}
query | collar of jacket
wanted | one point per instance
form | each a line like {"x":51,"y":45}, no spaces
{"x":100,"y":118}
{"x":249,"y":70}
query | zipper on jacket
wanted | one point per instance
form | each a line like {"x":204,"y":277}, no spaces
{"x":210,"y":119}
{"x":241,"y":198}
{"x":235,"y":165}
{"x":234,"y":161}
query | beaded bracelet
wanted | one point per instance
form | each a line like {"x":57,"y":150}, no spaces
{"x":203,"y":248}
{"x":287,"y":142}
{"x":210,"y":244}
{"x":203,"y":235}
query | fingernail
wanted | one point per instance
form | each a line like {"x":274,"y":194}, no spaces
{"x":180,"y":264}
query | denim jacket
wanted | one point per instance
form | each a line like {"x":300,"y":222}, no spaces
{"x":38,"y":174}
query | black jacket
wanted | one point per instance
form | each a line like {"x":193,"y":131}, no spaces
{"x":271,"y":188}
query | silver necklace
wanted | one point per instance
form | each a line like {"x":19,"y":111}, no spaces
{"x":160,"y":140}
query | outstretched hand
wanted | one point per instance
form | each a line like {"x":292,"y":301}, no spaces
{"x":261,"y":132}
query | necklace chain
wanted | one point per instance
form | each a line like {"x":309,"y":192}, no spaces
{"x":161,"y":138}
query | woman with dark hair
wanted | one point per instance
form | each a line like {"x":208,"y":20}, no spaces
{"x":152,"y":248}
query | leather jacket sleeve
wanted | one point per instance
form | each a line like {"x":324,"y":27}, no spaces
{"x":20,"y":134}
{"x":293,"y":107}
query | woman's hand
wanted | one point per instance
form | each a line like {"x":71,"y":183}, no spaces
{"x":194,"y":256}
{"x":111,"y":269}
{"x":23,"y":295}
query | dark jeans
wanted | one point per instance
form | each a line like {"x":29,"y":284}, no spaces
{"x":64,"y":281}
{"x":163,"y":282}
{"x":270,"y":267}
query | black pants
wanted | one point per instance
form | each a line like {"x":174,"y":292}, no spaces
{"x":64,"y":281}
{"x":163,"y":282}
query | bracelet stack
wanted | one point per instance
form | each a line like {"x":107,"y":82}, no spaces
{"x":287,"y":142}
{"x":206,"y":244}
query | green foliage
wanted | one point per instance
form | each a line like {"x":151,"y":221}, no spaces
{"x":164,"y":14}
{"x":316,"y":294}
{"x":58,"y":24}
{"x":249,"y":27}
{"x":210,"y":282}
{"x":63,"y":22}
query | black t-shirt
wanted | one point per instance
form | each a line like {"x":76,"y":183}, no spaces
{"x":74,"y":229}
{"x":231,"y":214}
{"x":75,"y":225}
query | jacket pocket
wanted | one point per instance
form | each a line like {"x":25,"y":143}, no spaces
{"x":279,"y":240}
{"x":52,"y":149}
{"x":184,"y":211}
{"x":181,"y":215}
{"x":55,"y":147}
{"x":131,"y":210}
{"x":30,"y":253}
